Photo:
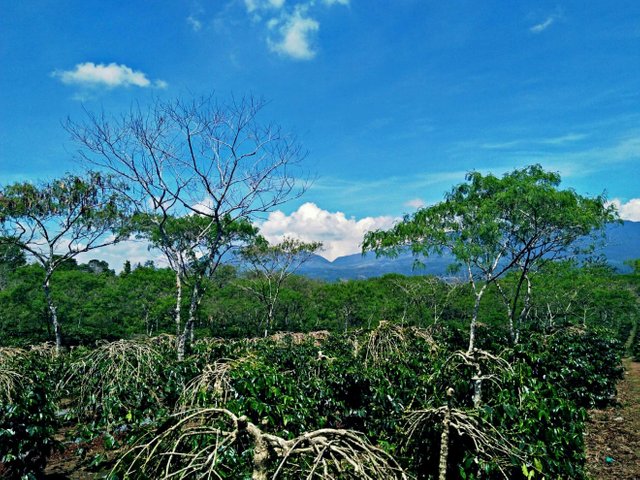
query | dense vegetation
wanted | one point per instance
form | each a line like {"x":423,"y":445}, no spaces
{"x":382,"y":359}
{"x":176,"y":372}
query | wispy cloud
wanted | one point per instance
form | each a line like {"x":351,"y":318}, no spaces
{"x":546,"y":23}
{"x":92,"y":75}
{"x":292,"y":28}
{"x":541,"y":27}
{"x":257,"y":5}
{"x":554,"y":141}
{"x":195,"y":23}
{"x":415,"y":203}
{"x":564,"y":139}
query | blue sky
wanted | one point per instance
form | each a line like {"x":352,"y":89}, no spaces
{"x":394,"y":100}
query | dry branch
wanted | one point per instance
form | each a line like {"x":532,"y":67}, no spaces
{"x":199,"y":443}
{"x":122,"y":366}
{"x":11,"y":380}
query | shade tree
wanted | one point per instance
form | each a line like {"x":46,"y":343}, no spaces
{"x":496,"y":225}
{"x":271,"y":265}
{"x":54,"y":222}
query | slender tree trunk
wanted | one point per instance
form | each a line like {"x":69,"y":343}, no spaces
{"x":270,"y":314}
{"x":525,"y":310}
{"x":477,"y":385}
{"x":187,"y":334}
{"x":505,"y":300}
{"x":53,"y":312}
{"x":477,"y":379}
{"x":444,"y":444}
{"x":178,"y":304}
{"x":474,"y":319}
{"x":147,"y":324}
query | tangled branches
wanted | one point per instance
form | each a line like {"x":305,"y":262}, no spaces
{"x":388,"y":340}
{"x":478,"y":359}
{"x":115,"y":378}
{"x":213,"y":384}
{"x":11,"y":380}
{"x":487,"y":441}
{"x":205,"y":443}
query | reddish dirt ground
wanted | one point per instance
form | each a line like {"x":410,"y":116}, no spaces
{"x":613,"y":435}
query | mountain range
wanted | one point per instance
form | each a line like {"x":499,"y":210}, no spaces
{"x":622,"y":243}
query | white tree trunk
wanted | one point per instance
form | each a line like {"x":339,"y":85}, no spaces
{"x":53,"y":312}
{"x":186,"y":336}
{"x":444,"y":445}
{"x":178,"y":304}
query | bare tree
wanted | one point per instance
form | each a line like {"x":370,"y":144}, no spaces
{"x":56,"y":221}
{"x":196,"y":158}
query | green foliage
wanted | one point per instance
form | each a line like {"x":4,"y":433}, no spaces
{"x":120,"y":384}
{"x":584,"y":366}
{"x":27,"y":412}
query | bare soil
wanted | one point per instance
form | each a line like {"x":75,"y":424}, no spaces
{"x":613,"y":435}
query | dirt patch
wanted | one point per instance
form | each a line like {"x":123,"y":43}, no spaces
{"x":613,"y":435}
{"x":70,"y":464}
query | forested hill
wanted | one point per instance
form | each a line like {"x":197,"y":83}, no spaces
{"x":622,"y":243}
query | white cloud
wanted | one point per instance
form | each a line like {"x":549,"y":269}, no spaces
{"x":255,"y":5}
{"x":542,"y":26}
{"x":547,"y":22}
{"x":89,"y":74}
{"x":340,"y":235}
{"x":554,"y":141}
{"x":295,"y":34}
{"x":136,"y":251}
{"x":415,"y":203}
{"x":291,"y":25}
{"x":564,"y":139}
{"x":629,"y":210}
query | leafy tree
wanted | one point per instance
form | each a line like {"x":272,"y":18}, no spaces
{"x":11,"y":257}
{"x":272,"y":265}
{"x":494,"y":225}
{"x":58,"y":220}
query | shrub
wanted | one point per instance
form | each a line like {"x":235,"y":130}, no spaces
{"x":27,"y":413}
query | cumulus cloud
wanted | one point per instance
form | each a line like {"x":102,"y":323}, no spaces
{"x":292,"y":27}
{"x":629,"y":210}
{"x":339,"y":235}
{"x":294,"y":36}
{"x":415,"y":203}
{"x":89,"y":74}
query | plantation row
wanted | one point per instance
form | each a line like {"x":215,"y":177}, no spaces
{"x":395,"y":399}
